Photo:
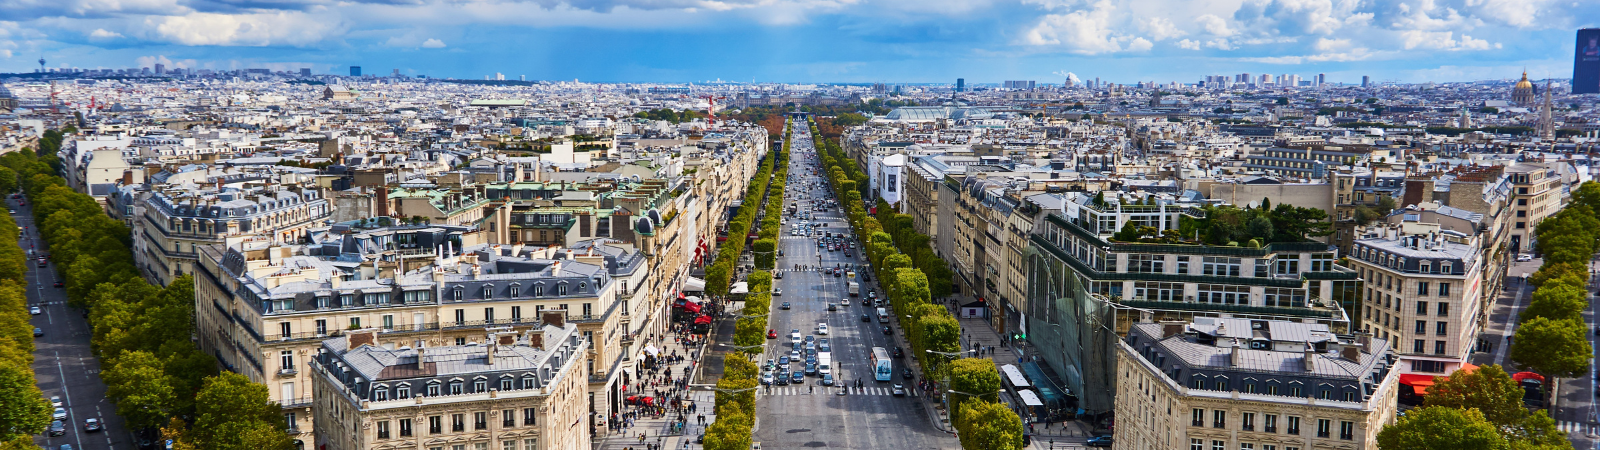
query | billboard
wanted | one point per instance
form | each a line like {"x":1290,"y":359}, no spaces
{"x":1586,"y":63}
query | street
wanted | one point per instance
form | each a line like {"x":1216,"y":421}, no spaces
{"x":62,"y":361}
{"x":811,"y":415}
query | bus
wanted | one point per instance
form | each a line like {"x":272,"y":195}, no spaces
{"x":882,"y":367}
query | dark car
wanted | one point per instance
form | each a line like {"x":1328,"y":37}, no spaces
{"x":838,"y":273}
{"x":58,"y":428}
{"x":827,"y":379}
{"x":866,"y":318}
{"x":833,"y":307}
{"x":778,"y":275}
{"x":899,"y":352}
{"x":59,"y":284}
{"x":811,"y":368}
{"x":784,"y":306}
{"x":37,"y":332}
{"x":783,"y":360}
{"x":797,"y":377}
{"x":887,"y":330}
{"x":783,"y":379}
{"x":906,"y":373}
{"x":1099,"y":441}
{"x":92,"y":425}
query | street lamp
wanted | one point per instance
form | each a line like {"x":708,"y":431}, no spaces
{"x":945,"y":398}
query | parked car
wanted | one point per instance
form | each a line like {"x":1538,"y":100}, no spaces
{"x":58,"y":428}
{"x":38,"y":332}
{"x":772,"y":334}
{"x":55,"y":401}
{"x":1524,"y":257}
{"x":35,"y":310}
{"x":1099,"y":441}
{"x":60,"y":414}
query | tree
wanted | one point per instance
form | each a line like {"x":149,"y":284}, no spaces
{"x":989,"y":426}
{"x":1442,"y":428}
{"x":1552,"y":347}
{"x":970,"y":376}
{"x":140,"y":387}
{"x":232,"y":413}
{"x":23,"y":409}
{"x":1559,"y":301}
{"x":1259,"y":227}
{"x":1489,"y":389}
{"x":717,"y":278}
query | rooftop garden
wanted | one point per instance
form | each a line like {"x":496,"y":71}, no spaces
{"x":1231,"y":225}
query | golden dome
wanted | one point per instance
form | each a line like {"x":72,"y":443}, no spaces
{"x":1524,"y":84}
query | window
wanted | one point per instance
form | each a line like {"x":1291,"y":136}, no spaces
{"x":1197,"y":444}
{"x":1199,"y":417}
{"x":1294,"y":426}
{"x":458,"y":422}
{"x":1419,"y":346}
{"x":1443,"y":309}
{"x":1438,"y":347}
{"x":533,"y":444}
{"x":1183,"y":265}
{"x":527,"y":382}
{"x":1422,"y":288}
{"x":434,"y":426}
{"x":355,"y":322}
{"x":1444,"y":288}
{"x":480,"y":385}
{"x":1219,"y":419}
{"x":1269,"y":423}
{"x":1440,"y":328}
{"x":1219,"y":445}
{"x":516,"y":314}
{"x":516,"y":291}
{"x":286,"y":358}
{"x":405,"y":427}
{"x":1424,"y":267}
{"x":505,"y":383}
{"x":529,"y":416}
{"x":461,"y":316}
{"x":1422,"y":326}
{"x":1146,"y":263}
{"x":1347,"y":430}
{"x":488,"y":292}
{"x":322,"y":302}
{"x":322,"y":327}
{"x":455,"y":388}
{"x":508,"y":418}
{"x":283,"y":329}
{"x":383,"y":429}
{"x":480,"y":421}
{"x":388,"y":321}
{"x":508,"y":445}
{"x":561,"y":289}
{"x":380,"y":394}
{"x":1247,"y":422}
{"x":346,"y":300}
{"x":1247,"y":446}
{"x":488,"y":315}
{"x":538,"y":290}
{"x":1323,"y":426}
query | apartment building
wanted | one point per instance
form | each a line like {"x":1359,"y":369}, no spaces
{"x":1422,"y":292}
{"x":515,"y":391}
{"x":1227,"y":383}
{"x":1537,"y":191}
{"x":178,"y":220}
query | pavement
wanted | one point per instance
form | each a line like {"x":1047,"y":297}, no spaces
{"x":62,"y":361}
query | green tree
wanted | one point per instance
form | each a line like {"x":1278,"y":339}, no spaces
{"x":717,"y":278}
{"x":989,"y":426}
{"x":141,"y":388}
{"x":1489,"y":389}
{"x":1442,"y":428}
{"x":1552,"y":347}
{"x":1558,"y":301}
{"x":232,"y":413}
{"x":23,"y":409}
{"x":970,"y":376}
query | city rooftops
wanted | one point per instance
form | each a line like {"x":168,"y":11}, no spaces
{"x":1228,"y":349}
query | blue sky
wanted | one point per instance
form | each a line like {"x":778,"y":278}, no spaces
{"x":984,"y":41}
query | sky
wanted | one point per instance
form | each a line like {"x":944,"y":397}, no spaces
{"x":811,"y":41}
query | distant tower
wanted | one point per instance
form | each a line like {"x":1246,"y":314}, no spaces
{"x":355,"y":71}
{"x":1366,"y":81}
{"x":1522,"y":93}
{"x":1547,"y":125}
{"x":1465,"y":121}
{"x":961,"y":84}
{"x":41,"y":64}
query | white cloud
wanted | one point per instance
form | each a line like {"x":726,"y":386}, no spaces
{"x":1189,"y":45}
{"x":1139,"y":44}
{"x":102,"y":33}
{"x":1085,"y":32}
{"x":433,"y":43}
{"x":1160,"y":28}
{"x":1441,"y":40}
{"x":260,"y":29}
{"x":1214,"y":25}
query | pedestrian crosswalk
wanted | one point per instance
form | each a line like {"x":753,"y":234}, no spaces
{"x":828,"y":390}
{"x":1576,"y":427}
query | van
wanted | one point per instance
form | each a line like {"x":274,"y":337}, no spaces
{"x":824,"y":363}
{"x":883,"y":315}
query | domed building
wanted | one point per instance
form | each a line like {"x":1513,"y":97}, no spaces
{"x":8,"y":102}
{"x":1522,"y":93}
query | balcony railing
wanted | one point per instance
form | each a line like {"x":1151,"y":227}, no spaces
{"x":297,"y":402}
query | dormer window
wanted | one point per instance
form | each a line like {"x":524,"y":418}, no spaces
{"x":433,"y":389}
{"x":455,"y":387}
{"x":404,"y":391}
{"x":488,"y":291}
{"x":380,"y":393}
{"x":527,"y":382}
{"x":538,"y":290}
{"x":582,"y":286}
{"x":1445,"y":268}
{"x":505,"y":383}
{"x":516,"y":291}
{"x":561,"y":288}
{"x":480,"y":385}
{"x":457,"y":293}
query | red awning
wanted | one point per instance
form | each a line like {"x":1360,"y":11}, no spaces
{"x":1418,"y":382}
{"x":690,"y":306}
{"x":1519,"y":376}
{"x":702,"y":320}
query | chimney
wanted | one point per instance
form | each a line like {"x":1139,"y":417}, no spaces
{"x":356,"y":339}
{"x":492,"y":344}
{"x":420,"y":364}
{"x":555,"y":270}
{"x":1171,"y":329}
{"x":536,"y":338}
{"x":555,"y":318}
{"x":383,"y":201}
{"x":1351,"y":353}
{"x":1233,"y":355}
{"x":1311,"y":357}
{"x":127,"y":178}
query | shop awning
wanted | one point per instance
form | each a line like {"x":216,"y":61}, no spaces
{"x":740,"y":288}
{"x":690,"y":306}
{"x":1029,"y":398}
{"x":651,"y":349}
{"x":702,"y":320}
{"x":1418,"y":382}
{"x":694,"y":285}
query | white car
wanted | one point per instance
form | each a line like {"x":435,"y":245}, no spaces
{"x":822,"y":328}
{"x":60,"y":414}
{"x":55,"y":401}
{"x":795,"y":338}
{"x":1524,"y":257}
{"x":35,"y":310}
{"x":776,"y":291}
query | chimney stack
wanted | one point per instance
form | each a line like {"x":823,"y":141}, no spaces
{"x":420,"y":364}
{"x":1351,"y":353}
{"x":492,"y":345}
{"x":1233,"y":355}
{"x":1171,"y":329}
{"x":555,"y":318}
{"x":1311,"y":357}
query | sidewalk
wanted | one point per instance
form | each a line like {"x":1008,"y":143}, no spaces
{"x":658,"y":429}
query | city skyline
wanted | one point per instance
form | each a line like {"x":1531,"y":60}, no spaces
{"x":887,"y":41}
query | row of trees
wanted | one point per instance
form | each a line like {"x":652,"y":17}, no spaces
{"x":1550,"y":337}
{"x":143,"y":334}
{"x":23,"y":408}
{"x":911,"y":275}
{"x":1479,"y":409}
{"x":719,"y":275}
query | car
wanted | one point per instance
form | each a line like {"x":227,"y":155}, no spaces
{"x":794,"y":337}
{"x":60,"y":414}
{"x":872,"y":293}
{"x":811,"y":368}
{"x":1524,"y":257}
{"x":769,"y":364}
{"x":778,"y":275}
{"x":58,"y":428}
{"x":92,"y":425}
{"x":887,"y":330}
{"x":766,"y":378}
{"x":827,"y":379}
{"x":847,"y":253}
{"x":838,"y":273}
{"x":811,"y":340}
{"x":822,"y":328}
{"x":899,"y":352}
{"x":60,"y":284}
{"x":798,"y":377}
{"x":784,"y":306}
{"x":772,"y":334}
{"x":1099,"y":441}
{"x":55,"y":401}
{"x":35,"y":310}
{"x":776,"y":291}
{"x":38,"y":332}
{"x":822,"y":346}
{"x":832,"y":307}
{"x":844,"y":302}
{"x":783,"y":361}
{"x":782,"y":380}
{"x":866,"y":317}
{"x":899,"y":390}
{"x":67,"y":447}
{"x":906,"y":373}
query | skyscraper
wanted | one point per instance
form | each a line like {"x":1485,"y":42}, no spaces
{"x":961,"y":85}
{"x":396,"y":73}
{"x":355,"y":71}
{"x":1321,"y":78}
{"x":161,"y":68}
{"x":1586,"y":64}
{"x":1366,"y":81}
{"x":305,"y":71}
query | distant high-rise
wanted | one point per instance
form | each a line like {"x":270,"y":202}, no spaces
{"x":161,"y":68}
{"x":1263,"y":80}
{"x":396,"y":73}
{"x":961,"y":85}
{"x":1321,"y":78}
{"x":1020,"y":84}
{"x":1586,"y":64}
{"x":355,"y":71}
{"x":305,"y":71}
{"x":1366,"y":81}
{"x":522,"y":78}
{"x":499,"y":76}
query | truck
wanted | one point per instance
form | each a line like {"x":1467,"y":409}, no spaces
{"x":824,"y":363}
{"x":855,"y":289}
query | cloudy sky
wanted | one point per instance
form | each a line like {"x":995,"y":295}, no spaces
{"x":985,"y":41}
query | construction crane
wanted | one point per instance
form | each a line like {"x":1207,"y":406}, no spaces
{"x":711,"y":108}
